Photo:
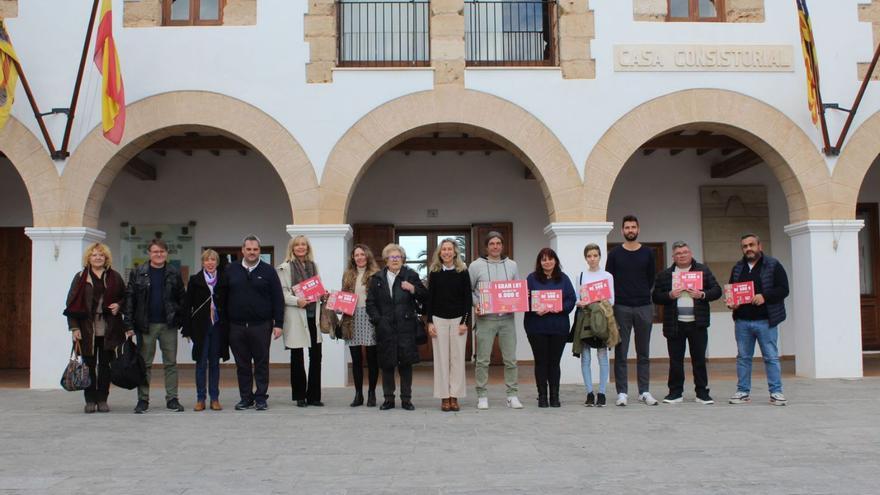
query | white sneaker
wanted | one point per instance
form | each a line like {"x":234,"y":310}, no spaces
{"x":514,"y":403}
{"x":483,"y":403}
{"x":648,"y":399}
{"x":777,"y":399}
{"x":621,"y":399}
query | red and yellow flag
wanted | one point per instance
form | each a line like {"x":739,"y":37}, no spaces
{"x":112,"y":91}
{"x":811,"y":61}
{"x":8,"y":75}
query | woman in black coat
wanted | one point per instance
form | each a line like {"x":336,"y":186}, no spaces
{"x":393,"y":300}
{"x":201,"y":324}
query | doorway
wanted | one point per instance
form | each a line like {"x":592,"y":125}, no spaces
{"x":869,"y":275}
{"x":15,"y":298}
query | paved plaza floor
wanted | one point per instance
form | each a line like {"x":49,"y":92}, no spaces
{"x":827,"y":440}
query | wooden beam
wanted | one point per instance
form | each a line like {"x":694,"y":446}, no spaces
{"x":696,"y":141}
{"x":735,"y":164}
{"x":648,"y":152}
{"x":197,"y":143}
{"x":141,"y":169}
{"x":675,"y":152}
{"x":703,"y":151}
{"x":447,"y":144}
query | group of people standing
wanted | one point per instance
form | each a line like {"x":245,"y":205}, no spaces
{"x":246,"y":305}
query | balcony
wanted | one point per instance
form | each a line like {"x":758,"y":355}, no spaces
{"x":383,"y":34}
{"x":511,"y":33}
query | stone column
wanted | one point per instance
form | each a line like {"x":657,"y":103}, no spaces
{"x":447,"y":43}
{"x":57,"y":256}
{"x":825,"y":287}
{"x":330,"y":246}
{"x":568,"y":240}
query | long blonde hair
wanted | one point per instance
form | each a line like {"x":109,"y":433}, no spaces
{"x":291,"y":257}
{"x":349,"y":278}
{"x":437,"y":263}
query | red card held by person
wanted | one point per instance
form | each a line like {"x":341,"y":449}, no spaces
{"x":342,"y":302}
{"x":595,"y":291}
{"x":687,"y":280}
{"x":547,"y":300}
{"x":739,"y":293}
{"x":507,"y":296}
{"x":310,"y":289}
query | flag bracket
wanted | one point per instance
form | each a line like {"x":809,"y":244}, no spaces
{"x":836,"y":106}
{"x":54,"y":111}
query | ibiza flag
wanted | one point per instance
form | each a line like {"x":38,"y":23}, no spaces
{"x":8,"y":75}
{"x":112,"y":91}
{"x":811,"y":61}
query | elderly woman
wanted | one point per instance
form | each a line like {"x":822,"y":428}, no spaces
{"x":358,"y":332}
{"x":301,"y":323}
{"x":393,"y":299}
{"x":93,"y":318}
{"x":201,"y":324}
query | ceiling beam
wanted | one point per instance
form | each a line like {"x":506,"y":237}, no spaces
{"x":197,"y":143}
{"x":141,"y":169}
{"x":447,"y":144}
{"x":735,"y":164}
{"x":696,"y":141}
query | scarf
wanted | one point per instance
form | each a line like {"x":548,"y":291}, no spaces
{"x":211,"y":280}
{"x":98,"y":289}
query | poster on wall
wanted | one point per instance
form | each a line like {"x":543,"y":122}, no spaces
{"x":134,"y":240}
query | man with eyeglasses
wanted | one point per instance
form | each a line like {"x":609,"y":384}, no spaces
{"x":686,"y":321}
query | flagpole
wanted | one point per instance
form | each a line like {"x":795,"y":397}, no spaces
{"x":63,"y":153}
{"x":858,"y":101}
{"x":34,"y":107}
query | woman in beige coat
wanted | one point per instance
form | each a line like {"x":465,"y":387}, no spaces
{"x":301,"y":323}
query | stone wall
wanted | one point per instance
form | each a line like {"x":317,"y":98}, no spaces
{"x":148,"y":13}
{"x":8,"y":8}
{"x":577,"y":27}
{"x":870,"y":13}
{"x":735,"y":10}
{"x":319,"y":28}
{"x":447,"y":42}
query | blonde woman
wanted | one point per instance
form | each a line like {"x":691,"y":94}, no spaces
{"x":301,"y":323}
{"x":358,"y":332}
{"x":448,"y":307}
{"x":94,"y":320}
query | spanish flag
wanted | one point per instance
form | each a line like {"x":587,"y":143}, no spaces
{"x":112,"y":91}
{"x":8,"y":75}
{"x":811,"y":61}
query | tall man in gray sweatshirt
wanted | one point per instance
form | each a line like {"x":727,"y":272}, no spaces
{"x":489,"y":268}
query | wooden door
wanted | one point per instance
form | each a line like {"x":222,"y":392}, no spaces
{"x":15,"y":298}
{"x":478,"y":249}
{"x":375,"y":236}
{"x":869,"y":275}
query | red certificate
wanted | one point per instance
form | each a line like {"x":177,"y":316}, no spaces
{"x":342,"y":302}
{"x":508,"y":296}
{"x":687,"y":280}
{"x":595,"y":291}
{"x":547,"y":300}
{"x":739,"y":293}
{"x":310,"y":289}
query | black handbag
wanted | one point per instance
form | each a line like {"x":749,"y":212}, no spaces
{"x":128,"y":369}
{"x":76,"y":373}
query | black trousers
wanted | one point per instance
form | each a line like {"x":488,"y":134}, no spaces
{"x":250,"y":347}
{"x":695,"y":337}
{"x":99,"y":372}
{"x":357,"y":366}
{"x":302,"y":387}
{"x":405,"y":372}
{"x":547,"y":350}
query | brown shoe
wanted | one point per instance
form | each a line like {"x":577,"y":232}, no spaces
{"x":215,"y":405}
{"x":200,"y":406}
{"x":444,"y":406}
{"x":103,"y":407}
{"x":453,"y":404}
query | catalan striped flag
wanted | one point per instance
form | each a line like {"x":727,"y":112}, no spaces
{"x":8,"y":74}
{"x":811,"y":60}
{"x":112,"y":90}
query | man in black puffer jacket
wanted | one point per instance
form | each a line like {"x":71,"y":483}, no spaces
{"x":686,"y":322}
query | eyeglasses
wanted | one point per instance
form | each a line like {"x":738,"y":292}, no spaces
{"x":395,"y":258}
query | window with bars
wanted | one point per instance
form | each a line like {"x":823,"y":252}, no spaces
{"x":510,"y":32}
{"x":392,"y":33}
{"x":696,"y":10}
{"x":192,"y":12}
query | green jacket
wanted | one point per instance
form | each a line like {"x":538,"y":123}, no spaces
{"x":594,"y":321}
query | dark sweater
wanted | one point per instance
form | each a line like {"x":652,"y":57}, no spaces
{"x":550,"y":323}
{"x":774,"y":295}
{"x":254,"y":297}
{"x":633,"y":273}
{"x":449,"y":295}
{"x":156,"y":312}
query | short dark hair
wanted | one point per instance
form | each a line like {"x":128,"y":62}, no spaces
{"x":557,"y":270}
{"x":493,"y":234}
{"x":750,"y":234}
{"x":679,"y":244}
{"x":592,"y":247}
{"x":629,"y":218}
{"x":158,"y":242}
{"x":251,"y":237}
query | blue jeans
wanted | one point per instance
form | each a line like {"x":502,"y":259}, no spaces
{"x":602,"y":355}
{"x":209,"y":364}
{"x":747,"y":332}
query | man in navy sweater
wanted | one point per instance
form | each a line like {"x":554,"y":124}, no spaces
{"x":632,"y":266}
{"x":254,"y":307}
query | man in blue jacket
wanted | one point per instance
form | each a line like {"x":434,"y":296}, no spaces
{"x":254,"y":307}
{"x":759,"y":320}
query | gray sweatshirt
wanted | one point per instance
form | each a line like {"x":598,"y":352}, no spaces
{"x":483,"y":270}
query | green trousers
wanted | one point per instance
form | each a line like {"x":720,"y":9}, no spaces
{"x":486,"y":330}
{"x":167,"y":338}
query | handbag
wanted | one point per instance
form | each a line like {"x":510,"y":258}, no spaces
{"x":128,"y":370}
{"x":76,"y":373}
{"x":328,"y":322}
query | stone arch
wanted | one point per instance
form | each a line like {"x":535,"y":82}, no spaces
{"x":95,"y":162}
{"x":37,"y":171}
{"x":462,"y":110}
{"x":859,"y":154}
{"x":791,"y":155}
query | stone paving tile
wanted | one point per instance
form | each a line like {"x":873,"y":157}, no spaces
{"x":827,"y":440}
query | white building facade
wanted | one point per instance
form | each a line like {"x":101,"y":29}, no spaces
{"x":549,"y":120}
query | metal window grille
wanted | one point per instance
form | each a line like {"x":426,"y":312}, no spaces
{"x":383,"y":34}
{"x":510,"y":32}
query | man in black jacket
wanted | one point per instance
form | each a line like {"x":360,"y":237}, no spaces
{"x":686,"y":321}
{"x":254,"y":308}
{"x":153,"y":299}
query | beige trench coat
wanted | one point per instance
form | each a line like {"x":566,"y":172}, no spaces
{"x":296,"y":330}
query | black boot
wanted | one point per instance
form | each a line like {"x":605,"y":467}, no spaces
{"x":358,"y":399}
{"x":371,"y":398}
{"x":554,"y":396}
{"x":542,"y":397}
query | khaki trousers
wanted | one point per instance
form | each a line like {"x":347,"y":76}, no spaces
{"x":449,"y":349}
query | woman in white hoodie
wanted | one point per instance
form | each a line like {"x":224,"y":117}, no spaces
{"x":593,"y":254}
